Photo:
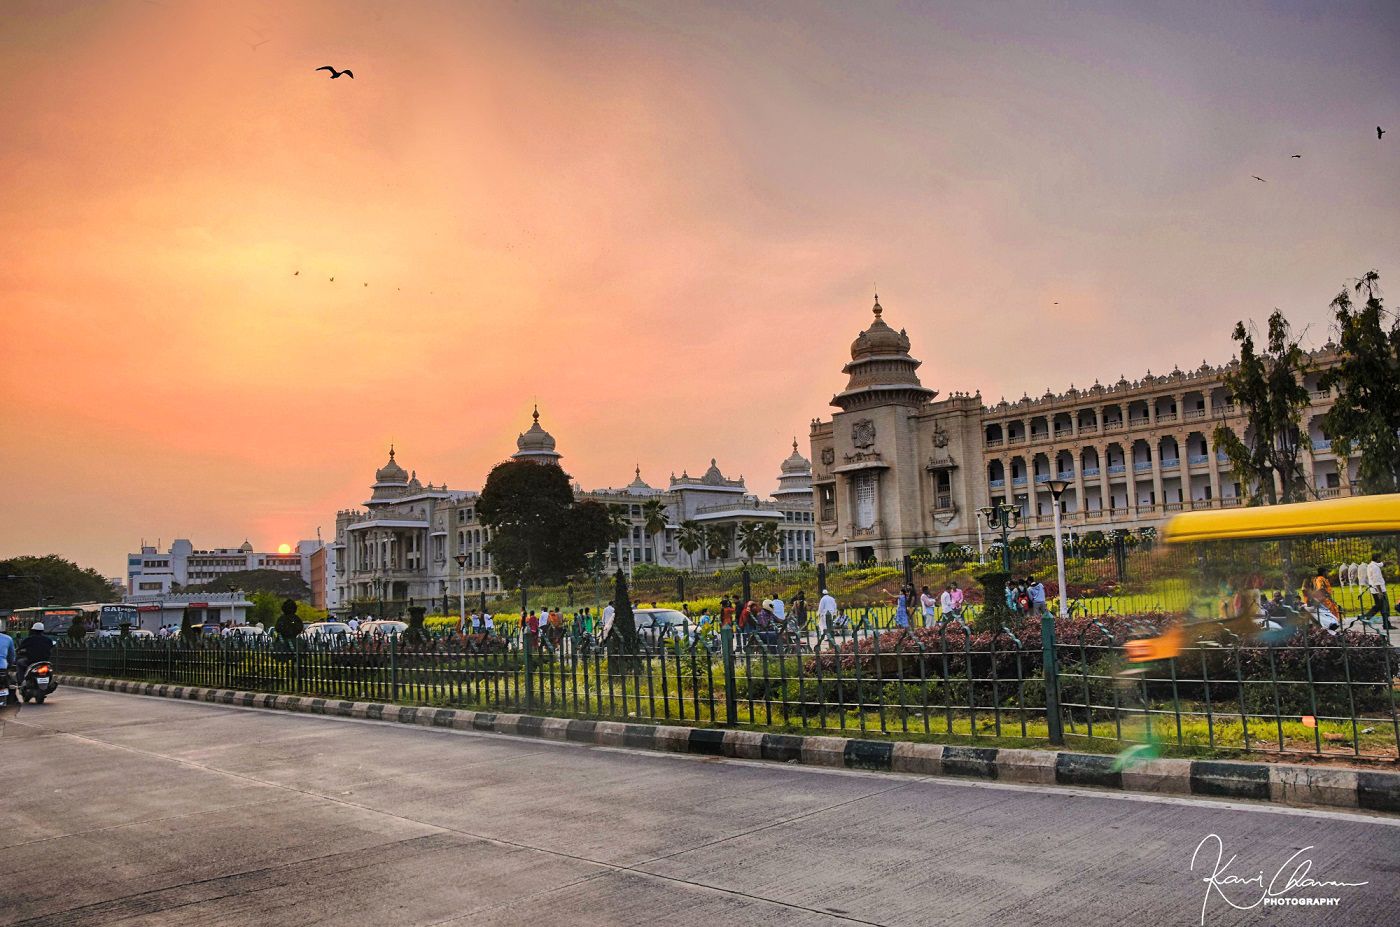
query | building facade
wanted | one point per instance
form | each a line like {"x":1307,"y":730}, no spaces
{"x":152,"y":572}
{"x":425,"y":543}
{"x":897,"y":469}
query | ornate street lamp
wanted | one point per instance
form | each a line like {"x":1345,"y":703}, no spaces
{"x":1057,"y":488}
{"x":1002,"y":517}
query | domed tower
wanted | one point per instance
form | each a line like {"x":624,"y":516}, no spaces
{"x":390,"y":481}
{"x":536,"y":445}
{"x":881,"y":372}
{"x":795,"y":481}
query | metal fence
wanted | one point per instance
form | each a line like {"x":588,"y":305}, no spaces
{"x":1313,"y":693}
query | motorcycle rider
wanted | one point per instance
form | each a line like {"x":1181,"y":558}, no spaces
{"x":7,"y":659}
{"x":35,"y":648}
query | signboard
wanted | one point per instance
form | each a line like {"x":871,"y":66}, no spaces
{"x":112,"y":617}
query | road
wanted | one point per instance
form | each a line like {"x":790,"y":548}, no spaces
{"x":125,"y":810}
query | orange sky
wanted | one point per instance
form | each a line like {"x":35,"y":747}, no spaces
{"x":661,"y":220}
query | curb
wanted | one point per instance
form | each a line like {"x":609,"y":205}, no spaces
{"x":1318,"y":786}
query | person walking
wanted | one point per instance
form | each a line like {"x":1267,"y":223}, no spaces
{"x":1380,"y":597}
{"x":726,"y":613}
{"x":928,"y":605}
{"x":826,"y":612}
{"x":1036,"y":590}
{"x":609,"y":615}
{"x":945,"y":603}
{"x":799,"y":612}
{"x":901,"y":608}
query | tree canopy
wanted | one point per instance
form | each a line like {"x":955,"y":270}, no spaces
{"x":51,"y":580}
{"x":539,"y":534}
{"x":1365,"y":417}
{"x":279,"y":583}
{"x":1268,"y":386}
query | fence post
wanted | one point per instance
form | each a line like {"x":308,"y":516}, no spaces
{"x":393,"y":667}
{"x":680,"y":587}
{"x":821,"y":576}
{"x":908,"y":570}
{"x":747,"y":583}
{"x":1052,"y":679}
{"x":731,"y":688}
{"x":1120,"y":556}
{"x":530,"y":673}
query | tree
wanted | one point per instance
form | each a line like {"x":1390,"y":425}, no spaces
{"x":1269,"y":388}
{"x":717,"y":540}
{"x":690,"y":538}
{"x":539,"y":536}
{"x":51,"y":580}
{"x":279,"y":583}
{"x":264,"y":610}
{"x":758,"y":538}
{"x":624,"y":620}
{"x":1366,"y":414}
{"x":654,"y":519}
{"x":290,"y":625}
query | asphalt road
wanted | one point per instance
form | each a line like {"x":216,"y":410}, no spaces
{"x":124,"y":810}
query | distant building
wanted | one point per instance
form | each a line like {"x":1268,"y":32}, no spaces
{"x":405,"y":542}
{"x":154,"y":572}
{"x":897,"y":469}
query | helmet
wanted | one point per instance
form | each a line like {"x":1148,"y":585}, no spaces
{"x":38,"y":626}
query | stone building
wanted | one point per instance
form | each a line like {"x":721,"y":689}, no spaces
{"x":405,"y":542}
{"x":896,"y":468}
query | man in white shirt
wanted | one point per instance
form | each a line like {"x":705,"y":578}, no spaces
{"x":354,"y":623}
{"x":945,"y":602}
{"x":826,"y":612}
{"x":609,"y":613}
{"x":779,"y":609}
{"x":1380,"y":598}
{"x":928,"y":606}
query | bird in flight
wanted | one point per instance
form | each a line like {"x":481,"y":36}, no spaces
{"x":1295,"y":156}
{"x":296,"y":273}
{"x":366,"y":284}
{"x":254,"y":45}
{"x":1379,"y":131}
{"x":332,"y":280}
{"x":335,"y":73}
{"x":1258,"y":178}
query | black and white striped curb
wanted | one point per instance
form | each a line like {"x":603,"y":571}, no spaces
{"x":1372,"y":790}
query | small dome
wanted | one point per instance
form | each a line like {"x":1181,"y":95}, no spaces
{"x":391,"y":472}
{"x":246,"y":547}
{"x":796,"y":463}
{"x":413,"y":481}
{"x":638,"y":482}
{"x":879,"y":339}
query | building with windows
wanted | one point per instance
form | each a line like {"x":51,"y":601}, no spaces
{"x":155,"y":572}
{"x":897,"y":468}
{"x":425,"y":543}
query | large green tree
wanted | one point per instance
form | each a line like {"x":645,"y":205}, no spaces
{"x":539,"y":535}
{"x":51,"y":580}
{"x":757,"y":538}
{"x":279,"y":583}
{"x":654,"y":517}
{"x":1268,"y":386}
{"x":1365,"y":417}
{"x":690,"y":537}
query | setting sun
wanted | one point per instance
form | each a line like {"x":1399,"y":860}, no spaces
{"x":284,"y":548}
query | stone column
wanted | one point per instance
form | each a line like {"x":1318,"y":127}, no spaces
{"x":1105,"y":486}
{"x":1156,"y":450}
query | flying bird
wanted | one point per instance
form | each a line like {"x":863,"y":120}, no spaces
{"x":1295,"y":156}
{"x":366,"y":284}
{"x":296,"y":273}
{"x":1258,"y":178}
{"x":335,"y":73}
{"x":1379,"y":131}
{"x":332,"y":280}
{"x":254,"y":45}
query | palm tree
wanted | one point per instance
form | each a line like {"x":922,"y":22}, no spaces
{"x":654,"y":517}
{"x":753,"y":539}
{"x":716,"y":541}
{"x":690,"y":538}
{"x":619,"y":527}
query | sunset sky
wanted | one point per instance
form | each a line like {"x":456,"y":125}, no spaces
{"x":661,"y":221}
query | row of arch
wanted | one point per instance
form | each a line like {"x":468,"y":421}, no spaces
{"x":1140,"y":455}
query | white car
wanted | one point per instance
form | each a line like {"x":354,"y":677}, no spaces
{"x":662,"y":624}
{"x":327,"y":631}
{"x":245,"y":632}
{"x":382,"y":628}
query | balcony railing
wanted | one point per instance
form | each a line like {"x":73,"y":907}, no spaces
{"x":1321,"y":394}
{"x":1173,"y":506}
{"x":1230,"y":502}
{"x":1088,"y":429}
{"x":995,"y":442}
{"x":1329,"y":492}
{"x":1115,"y":425}
{"x":1018,"y":481}
{"x":1015,"y":439}
{"x":1065,"y":475}
{"x":997,"y":484}
{"x":1167,"y":417}
{"x":1091,"y":471}
{"x":1062,"y":432}
{"x":1042,"y":477}
{"x":943,"y":502}
{"x":1039,"y":435}
{"x":1195,"y":413}
{"x":1171,"y":463}
{"x":1321,"y":444}
{"x":1117,"y":468}
{"x":1141,"y":465}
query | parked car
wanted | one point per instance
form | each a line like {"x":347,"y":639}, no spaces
{"x":656,"y":625}
{"x":386,"y":628}
{"x":322,"y":631}
{"x":247,"y":632}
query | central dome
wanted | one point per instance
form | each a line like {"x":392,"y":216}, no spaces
{"x":879,"y":339}
{"x":536,"y":444}
{"x":391,"y":474}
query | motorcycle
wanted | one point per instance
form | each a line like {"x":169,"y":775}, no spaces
{"x":38,"y":682}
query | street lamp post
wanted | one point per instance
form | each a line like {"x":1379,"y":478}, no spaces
{"x":462,"y":589}
{"x":1047,"y":624}
{"x":1002,"y":517}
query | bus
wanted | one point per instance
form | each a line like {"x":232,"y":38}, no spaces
{"x":96,"y":618}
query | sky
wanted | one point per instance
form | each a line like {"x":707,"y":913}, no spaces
{"x":663,"y":222}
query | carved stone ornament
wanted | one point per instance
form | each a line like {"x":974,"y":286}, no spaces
{"x":828,"y":455}
{"x":940,"y":437}
{"x":863,"y":433}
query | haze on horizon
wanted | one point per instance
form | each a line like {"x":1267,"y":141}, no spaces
{"x":661,"y":221}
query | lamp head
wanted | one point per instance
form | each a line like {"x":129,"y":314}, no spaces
{"x":1057,"y":487}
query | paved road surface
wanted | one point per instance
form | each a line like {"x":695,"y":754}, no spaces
{"x":124,"y":810}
